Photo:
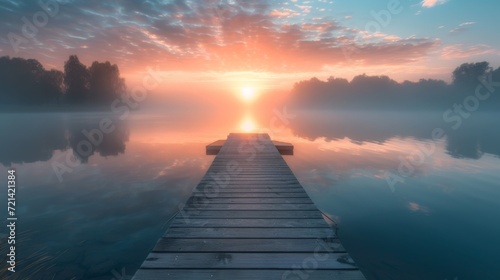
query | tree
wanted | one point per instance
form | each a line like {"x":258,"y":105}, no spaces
{"x":26,"y":82}
{"x":468,"y":74}
{"x":105,"y":83}
{"x":496,"y":75}
{"x":52,"y":85}
{"x":76,"y":80}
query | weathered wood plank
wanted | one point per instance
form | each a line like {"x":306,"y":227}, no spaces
{"x":282,"y":147}
{"x":241,"y":260}
{"x":251,"y":190}
{"x":255,"y":180}
{"x":252,"y":214}
{"x":245,"y":274}
{"x":249,"y":233}
{"x":290,"y":223}
{"x":253,"y":194}
{"x":245,"y":183}
{"x":277,"y":174}
{"x":319,"y":245}
{"x":281,"y":187}
{"x":206,"y":205}
{"x":250,"y":186}
{"x":244,"y":200}
{"x":240,"y":168}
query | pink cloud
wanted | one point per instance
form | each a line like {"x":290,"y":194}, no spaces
{"x":432,"y":3}
{"x":284,"y":13}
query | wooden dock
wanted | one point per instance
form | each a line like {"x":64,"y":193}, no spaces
{"x":249,"y":218}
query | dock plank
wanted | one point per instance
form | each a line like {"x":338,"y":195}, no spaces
{"x":206,"y":205}
{"x":249,"y":223}
{"x":218,"y":232}
{"x":244,"y":274}
{"x":255,"y":194}
{"x":320,"y":245}
{"x":244,"y":200}
{"x":250,"y":214}
{"x":241,"y":260}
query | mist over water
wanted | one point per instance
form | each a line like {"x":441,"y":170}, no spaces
{"x":112,"y":205}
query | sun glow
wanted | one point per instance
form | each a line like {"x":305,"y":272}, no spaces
{"x":248,"y":125}
{"x":248,"y":93}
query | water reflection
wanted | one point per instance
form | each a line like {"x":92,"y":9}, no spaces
{"x":108,"y":213}
{"x":105,"y":136}
{"x":28,"y":138}
{"x":408,"y":232}
{"x":476,"y":136}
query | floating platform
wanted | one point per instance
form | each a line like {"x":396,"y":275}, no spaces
{"x":249,"y":218}
{"x":283,"y":147}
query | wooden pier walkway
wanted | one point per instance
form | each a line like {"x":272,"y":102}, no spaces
{"x":249,"y":218}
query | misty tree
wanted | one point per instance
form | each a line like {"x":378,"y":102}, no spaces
{"x":52,"y":85}
{"x":105,"y":83}
{"x":26,"y":82}
{"x":76,"y":80}
{"x":496,"y":75}
{"x":381,"y":92}
{"x":468,"y":74}
{"x":99,"y":84}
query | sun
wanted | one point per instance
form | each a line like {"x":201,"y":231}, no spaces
{"x":248,"y":93}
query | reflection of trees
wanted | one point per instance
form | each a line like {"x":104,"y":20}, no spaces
{"x":111,"y":144}
{"x":30,"y":138}
{"x":477,"y":135}
{"x":25,"y":138}
{"x":464,"y":146}
{"x":362,"y":126}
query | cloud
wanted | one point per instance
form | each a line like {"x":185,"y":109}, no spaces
{"x":467,"y":23}
{"x":284,"y":13}
{"x":415,"y":207}
{"x":432,"y":3}
{"x":458,"y":51}
{"x":462,"y":27}
{"x":225,"y":35}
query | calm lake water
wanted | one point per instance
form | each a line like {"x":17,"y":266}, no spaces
{"x":436,"y":217}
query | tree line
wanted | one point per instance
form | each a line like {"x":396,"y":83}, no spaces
{"x":382,"y":92}
{"x":27,"y":82}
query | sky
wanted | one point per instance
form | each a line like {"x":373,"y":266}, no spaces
{"x":264,"y":43}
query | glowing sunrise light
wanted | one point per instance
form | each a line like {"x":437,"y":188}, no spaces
{"x":247,"y":125}
{"x":248,"y":93}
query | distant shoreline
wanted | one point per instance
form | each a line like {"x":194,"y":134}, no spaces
{"x":53,"y":109}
